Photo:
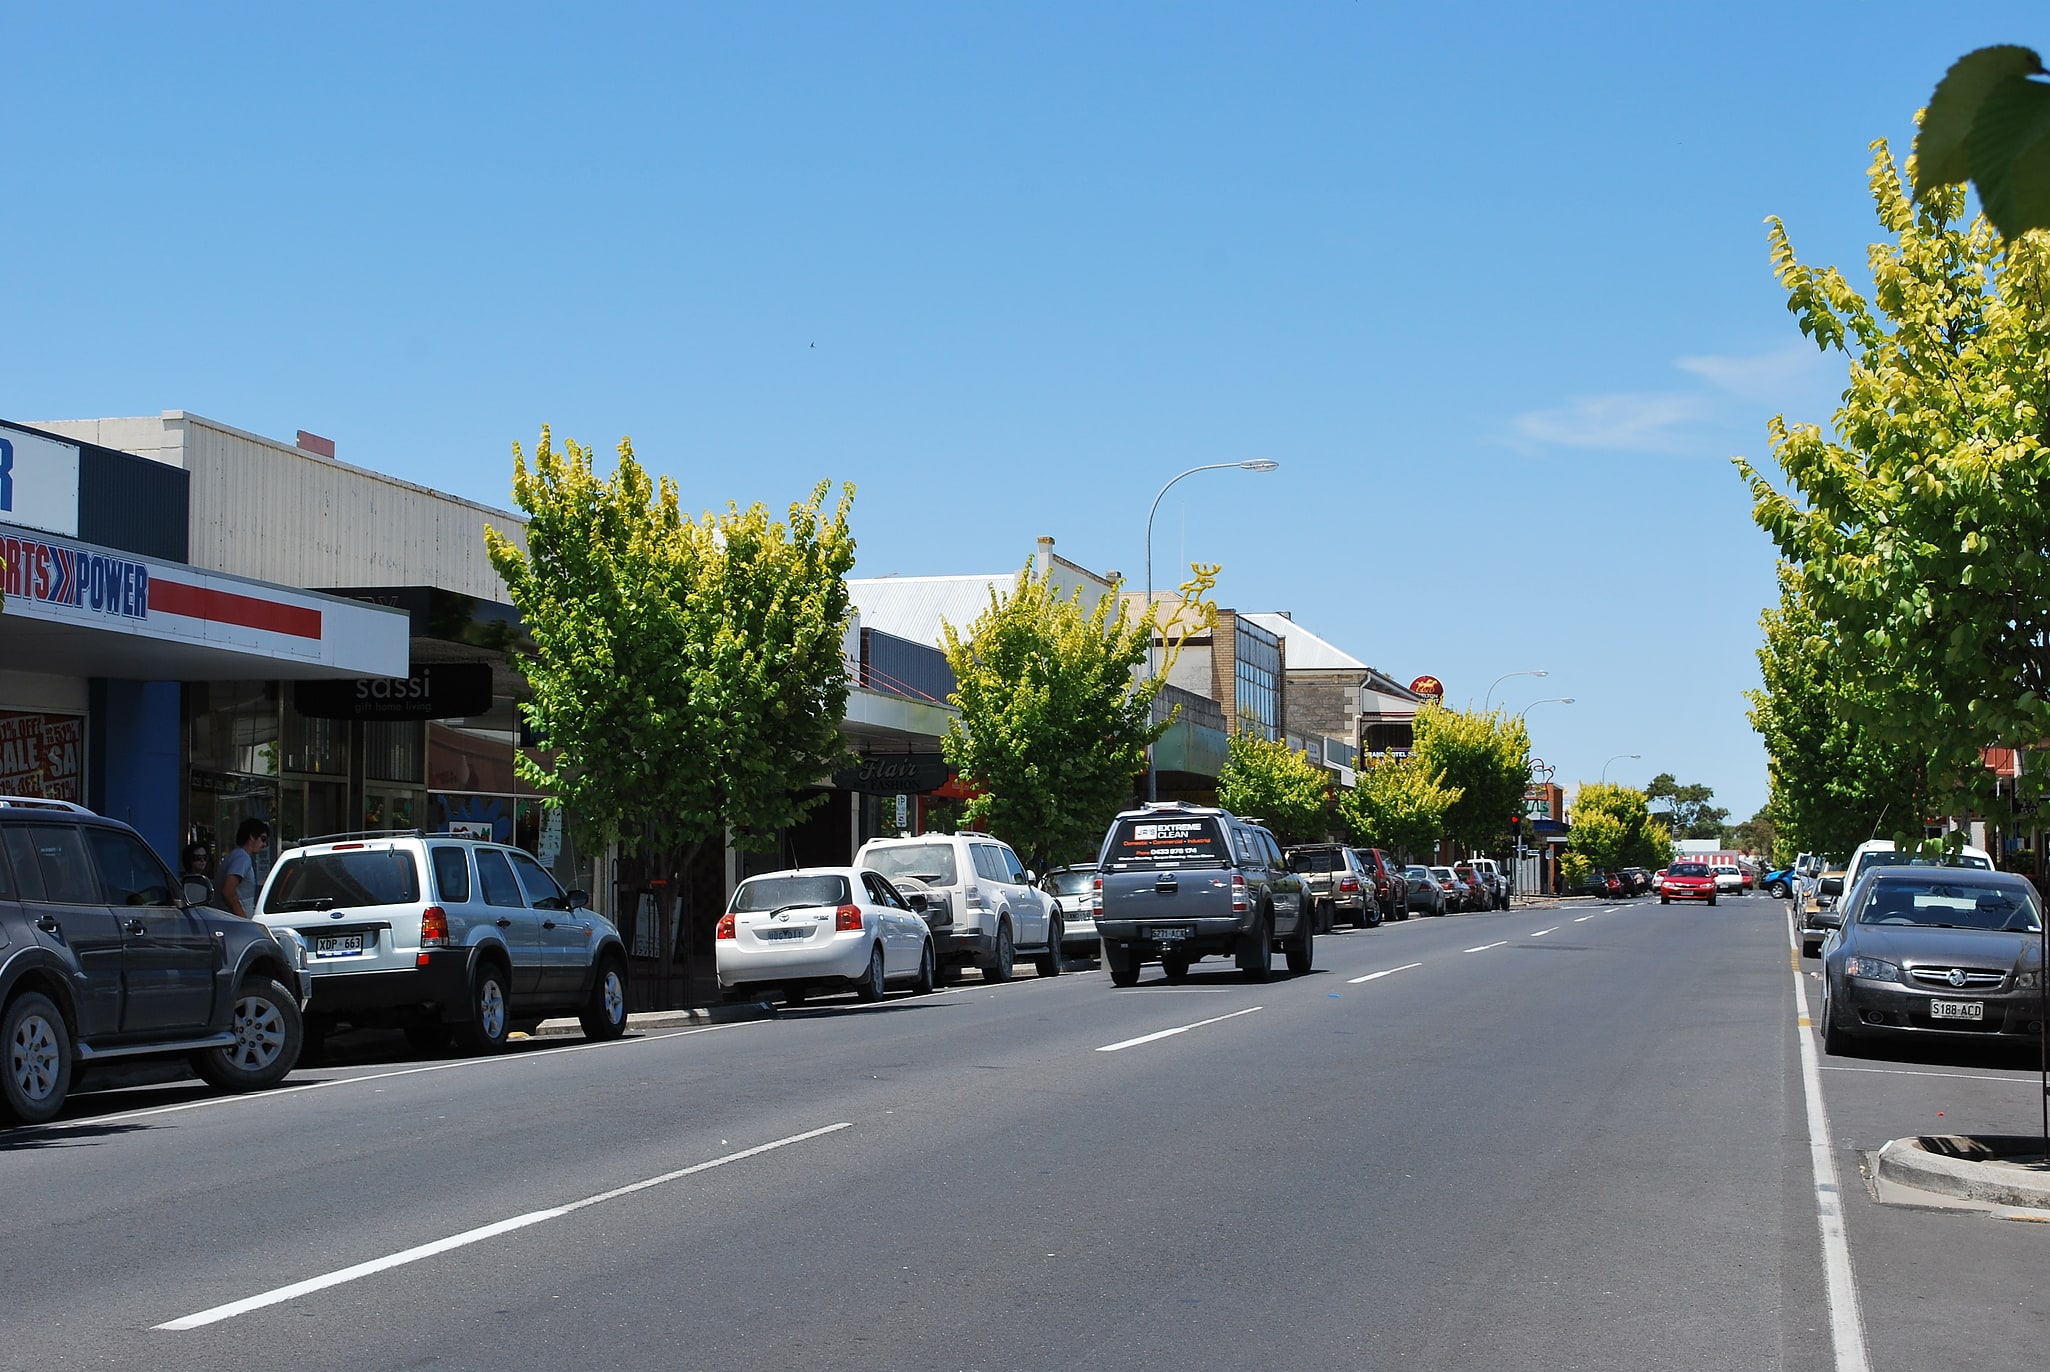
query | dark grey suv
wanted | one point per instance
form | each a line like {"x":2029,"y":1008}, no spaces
{"x":104,"y":958}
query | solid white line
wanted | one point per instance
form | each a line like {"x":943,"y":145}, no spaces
{"x":1170,"y":1033}
{"x":469,"y":1236}
{"x":1485,"y":946}
{"x":1542,"y":932}
{"x":1376,"y":976}
{"x":1958,"y":1076}
{"x":1846,"y":1321}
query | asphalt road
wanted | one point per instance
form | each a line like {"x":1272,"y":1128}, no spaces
{"x":1540,"y":1139}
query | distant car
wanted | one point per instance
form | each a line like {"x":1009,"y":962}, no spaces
{"x":822,"y":928}
{"x":1820,"y":913}
{"x":1780,"y":884}
{"x":1688,"y":881}
{"x":1490,"y":873}
{"x":1479,"y":897}
{"x":1425,"y":894}
{"x":1881,"y":853}
{"x":1391,"y":883}
{"x":1457,"y":893}
{"x":1638,"y":879}
{"x":1070,"y":887}
{"x":1934,"y":952}
{"x":1339,"y":886}
{"x":1728,"y":877}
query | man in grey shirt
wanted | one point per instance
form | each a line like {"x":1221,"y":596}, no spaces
{"x":237,"y":878}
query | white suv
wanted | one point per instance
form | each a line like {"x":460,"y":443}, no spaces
{"x":436,"y":934}
{"x":981,"y":904}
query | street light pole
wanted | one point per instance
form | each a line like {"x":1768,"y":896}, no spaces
{"x":1549,"y":700}
{"x":1499,"y":680}
{"x":1257,"y":464}
{"x":1617,"y":758}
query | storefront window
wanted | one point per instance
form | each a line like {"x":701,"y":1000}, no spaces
{"x":394,"y":752}
{"x":311,"y":808}
{"x":231,"y":733}
{"x":318,"y":746}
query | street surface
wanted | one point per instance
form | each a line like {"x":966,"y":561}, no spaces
{"x":1547,"y":1138}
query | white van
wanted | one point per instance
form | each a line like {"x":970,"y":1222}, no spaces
{"x":1880,"y":852}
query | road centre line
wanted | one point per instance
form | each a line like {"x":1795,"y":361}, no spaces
{"x":279,"y":1295}
{"x":1583,"y":919}
{"x":1846,"y":1320}
{"x":1389,"y":971}
{"x":1485,"y":946}
{"x":1542,"y":932}
{"x":1170,"y":1033}
{"x":274,"y":1094}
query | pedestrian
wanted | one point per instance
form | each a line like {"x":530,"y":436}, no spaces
{"x":237,"y":876}
{"x":198,"y":860}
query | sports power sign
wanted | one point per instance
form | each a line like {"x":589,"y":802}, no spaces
{"x":80,"y":578}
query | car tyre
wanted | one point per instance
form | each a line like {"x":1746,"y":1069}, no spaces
{"x":1665,"y":900}
{"x":268,"y":1035}
{"x":1778,"y":889}
{"x":1123,"y":962}
{"x":1711,"y":900}
{"x":1003,"y":964}
{"x":1836,"y":1041}
{"x":870,"y":986}
{"x":1302,"y":952}
{"x":1256,"y":951}
{"x":1369,"y":916}
{"x":604,"y":1016}
{"x":37,"y":1045}
{"x":928,"y":971}
{"x":490,"y":1011}
{"x":1048,"y":964}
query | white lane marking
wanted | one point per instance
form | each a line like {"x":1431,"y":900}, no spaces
{"x":1485,"y":946}
{"x":1170,"y":1033}
{"x":281,"y":1294}
{"x":1958,"y":1076}
{"x":1376,"y":976}
{"x":1846,"y":1320}
{"x":1177,"y":991}
{"x":378,"y":1076}
{"x":1542,"y":932}
{"x":1583,"y":919}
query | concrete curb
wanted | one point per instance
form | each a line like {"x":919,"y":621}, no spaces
{"x":666,"y":1019}
{"x":1990,"y":1169}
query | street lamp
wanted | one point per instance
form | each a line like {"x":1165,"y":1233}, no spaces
{"x":1257,"y":464}
{"x":1498,"y":681}
{"x":1617,"y":758}
{"x":1550,"y":700}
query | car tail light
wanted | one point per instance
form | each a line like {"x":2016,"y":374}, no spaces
{"x":1239,"y":904}
{"x":846,"y":917}
{"x":725,"y":929}
{"x":434,"y":927}
{"x":1096,"y":894}
{"x":1349,"y":884}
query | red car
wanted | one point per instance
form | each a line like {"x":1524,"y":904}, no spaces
{"x":1687,"y":881}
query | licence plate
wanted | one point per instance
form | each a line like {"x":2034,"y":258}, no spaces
{"x":337,"y":945}
{"x":782,"y":932}
{"x":1957,"y":1009}
{"x":1173,"y":933}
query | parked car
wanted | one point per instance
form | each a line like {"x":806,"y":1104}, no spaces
{"x":1881,"y":853}
{"x":1425,"y":892}
{"x":1820,"y":912}
{"x":1614,"y":887}
{"x":981,"y":904}
{"x":1688,"y":881}
{"x":1932,"y":952}
{"x":823,"y":928}
{"x":1490,"y":873}
{"x":1729,"y":877}
{"x":1339,"y":886}
{"x":105,"y":956}
{"x":1182,"y":882}
{"x":442,"y":935}
{"x":1477,"y":894}
{"x":1638,"y":880}
{"x":1458,"y":895}
{"x":1391,"y":882}
{"x":1780,"y":883}
{"x":1070,"y":887}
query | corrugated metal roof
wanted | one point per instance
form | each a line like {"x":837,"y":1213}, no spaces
{"x":1305,"y":649}
{"x":913,"y":606}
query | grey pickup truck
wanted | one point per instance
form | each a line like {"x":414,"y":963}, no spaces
{"x":1180,"y":882}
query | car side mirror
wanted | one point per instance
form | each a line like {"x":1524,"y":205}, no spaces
{"x":1030,"y":876}
{"x":197,"y":890}
{"x":578,"y":900}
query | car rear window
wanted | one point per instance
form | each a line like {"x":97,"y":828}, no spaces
{"x":1316,"y":860}
{"x":1072,"y":883}
{"x":797,"y":888}
{"x":1900,"y":859}
{"x":932,"y":863}
{"x":1937,"y":904}
{"x":1175,"y":842}
{"x":371,"y":876}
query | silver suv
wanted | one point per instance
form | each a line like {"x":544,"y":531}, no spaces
{"x":981,"y":904}
{"x":439,"y":934}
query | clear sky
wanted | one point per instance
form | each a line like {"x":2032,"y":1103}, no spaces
{"x":1489,"y":281}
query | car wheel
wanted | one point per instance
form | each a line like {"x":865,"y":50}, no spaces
{"x":928,"y":971}
{"x":1711,"y":900}
{"x":1369,"y":916}
{"x":1665,"y":900}
{"x":1302,"y":951}
{"x":490,"y":1012}
{"x":38,"y":1067}
{"x":1003,"y":964}
{"x":1256,"y":951}
{"x":1123,"y":963}
{"x":604,"y":1015}
{"x":267,"y":1038}
{"x":1778,"y":889}
{"x":1048,"y":964}
{"x":1176,"y":965}
{"x":1836,"y":1041}
{"x":870,"y":987}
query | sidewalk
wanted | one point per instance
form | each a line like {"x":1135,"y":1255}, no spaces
{"x":666,"y":1019}
{"x":1989,"y":1169}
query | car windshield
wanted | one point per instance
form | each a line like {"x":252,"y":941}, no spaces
{"x":1444,"y":872}
{"x":928,"y":862}
{"x":790,"y":889}
{"x":1315,"y":860}
{"x":1167,"y":842}
{"x":1937,"y":904}
{"x":1072,"y":883}
{"x":1900,"y":859}
{"x":327,"y":881}
{"x":1686,"y":869}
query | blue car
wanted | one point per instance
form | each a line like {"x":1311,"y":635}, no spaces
{"x":1780,"y":883}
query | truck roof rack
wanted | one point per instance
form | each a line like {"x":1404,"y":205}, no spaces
{"x":42,"y":803}
{"x":311,"y":839}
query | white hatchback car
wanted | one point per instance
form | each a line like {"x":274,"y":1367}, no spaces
{"x":1729,"y":878}
{"x":982,"y":906}
{"x":821,"y":928}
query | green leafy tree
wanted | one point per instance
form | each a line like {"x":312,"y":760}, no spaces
{"x":1265,"y":779}
{"x":1397,"y":804}
{"x":1486,"y":758}
{"x":1054,"y":724}
{"x":1687,"y":811}
{"x":1917,"y":528}
{"x":1989,"y":123}
{"x":1613,"y":828}
{"x":687,"y":674}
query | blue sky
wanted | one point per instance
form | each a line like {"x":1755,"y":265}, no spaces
{"x":1489,"y":281}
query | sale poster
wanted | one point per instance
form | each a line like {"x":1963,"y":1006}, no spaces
{"x":42,"y":755}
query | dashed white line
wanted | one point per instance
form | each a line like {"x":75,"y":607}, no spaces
{"x":1485,"y":946}
{"x":1170,"y":1033}
{"x":279,"y":1295}
{"x":1542,"y":932}
{"x":1376,"y":976}
{"x":1583,"y":919}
